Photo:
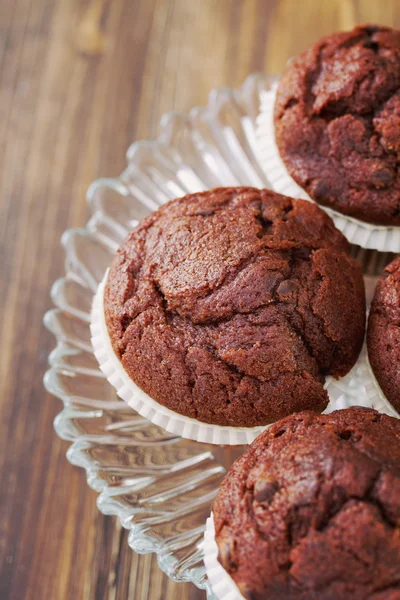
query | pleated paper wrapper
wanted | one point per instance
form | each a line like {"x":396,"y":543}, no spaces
{"x":221,"y":582}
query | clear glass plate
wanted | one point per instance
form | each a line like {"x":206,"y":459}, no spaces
{"x":160,"y":486}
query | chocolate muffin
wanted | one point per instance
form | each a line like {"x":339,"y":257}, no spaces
{"x":231,"y":306}
{"x":383,"y":337}
{"x":337,"y":122}
{"x":312,"y":510}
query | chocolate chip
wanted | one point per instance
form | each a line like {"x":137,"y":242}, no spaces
{"x":287,"y":288}
{"x":271,"y":280}
{"x":381,"y":178}
{"x":227,"y":555}
{"x":302,"y":253}
{"x":320,"y":191}
{"x":264,"y":490}
{"x":374,"y":46}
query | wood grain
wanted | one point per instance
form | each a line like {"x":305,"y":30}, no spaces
{"x":79,"y":81}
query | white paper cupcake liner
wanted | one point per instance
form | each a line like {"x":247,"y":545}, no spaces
{"x":221,"y":582}
{"x":341,"y":392}
{"x":366,"y":235}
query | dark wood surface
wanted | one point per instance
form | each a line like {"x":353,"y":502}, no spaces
{"x":79,"y":81}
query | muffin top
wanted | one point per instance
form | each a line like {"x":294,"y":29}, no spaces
{"x":312,"y":510}
{"x":231,"y":305}
{"x":384,"y":333}
{"x":337,"y":122}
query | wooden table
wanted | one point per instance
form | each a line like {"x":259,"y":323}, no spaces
{"x":79,"y":81}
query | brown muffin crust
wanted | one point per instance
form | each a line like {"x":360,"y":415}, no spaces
{"x":312,"y":510}
{"x":383,"y":337}
{"x":230,"y":306}
{"x":337,"y":122}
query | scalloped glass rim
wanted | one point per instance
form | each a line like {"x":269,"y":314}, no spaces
{"x":160,"y":486}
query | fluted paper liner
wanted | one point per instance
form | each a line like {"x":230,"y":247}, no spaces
{"x":366,"y":235}
{"x":339,"y":391}
{"x":221,"y":582}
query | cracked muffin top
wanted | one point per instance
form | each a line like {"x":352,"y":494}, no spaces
{"x":231,"y":306}
{"x":337,"y":122}
{"x":312,"y":510}
{"x":384,"y":333}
